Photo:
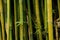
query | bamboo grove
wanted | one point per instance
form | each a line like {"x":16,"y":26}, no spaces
{"x":29,"y":19}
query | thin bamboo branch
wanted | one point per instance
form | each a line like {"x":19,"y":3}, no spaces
{"x":39,"y":33}
{"x":50,"y":22}
{"x":21,"y":19}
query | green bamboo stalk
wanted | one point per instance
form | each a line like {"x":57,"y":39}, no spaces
{"x":58,"y":1}
{"x":15,"y":19}
{"x":10,"y":30}
{"x":45,"y":18}
{"x":8,"y":19}
{"x":29,"y":21}
{"x":21,"y":19}
{"x":50,"y":22}
{"x":25,"y":22}
{"x":38,"y":28}
{"x":2,"y":19}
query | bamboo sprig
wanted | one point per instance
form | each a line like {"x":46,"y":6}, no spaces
{"x":38,"y":29}
{"x":29,"y":21}
{"x":50,"y":22}
{"x":15,"y":19}
{"x":21,"y":18}
{"x":8,"y":19}
{"x":45,"y":18}
{"x":2,"y":19}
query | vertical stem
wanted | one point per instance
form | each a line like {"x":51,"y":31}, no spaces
{"x":29,"y":22}
{"x":2,"y":22}
{"x":21,"y":19}
{"x":56,"y":28}
{"x":15,"y":19}
{"x":39,"y":33}
{"x":45,"y":18}
{"x":2,"y":19}
{"x":0,"y":32}
{"x":25,"y":20}
{"x":50,"y":23}
{"x":59,"y":7}
{"x":8,"y":19}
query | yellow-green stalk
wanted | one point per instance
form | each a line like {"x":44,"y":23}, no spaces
{"x":38,"y":23}
{"x":2,"y":19}
{"x":45,"y":18}
{"x":50,"y":20}
{"x":15,"y":19}
{"x":30,"y":32}
{"x":8,"y":19}
{"x":0,"y":32}
{"x":21,"y":18}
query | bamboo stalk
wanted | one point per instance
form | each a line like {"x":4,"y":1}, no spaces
{"x":29,"y":21}
{"x":10,"y":30}
{"x":21,"y":19}
{"x":50,"y":23}
{"x":8,"y":19}
{"x":58,"y":1}
{"x":56,"y":28}
{"x":15,"y":19}
{"x":45,"y":18}
{"x":25,"y":21}
{"x":0,"y":32}
{"x":2,"y":19}
{"x":2,"y":22}
{"x":38,"y":29}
